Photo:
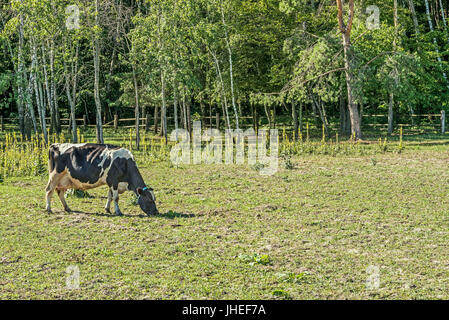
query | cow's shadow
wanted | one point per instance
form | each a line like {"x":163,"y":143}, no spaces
{"x":173,"y":214}
{"x":168,"y":215}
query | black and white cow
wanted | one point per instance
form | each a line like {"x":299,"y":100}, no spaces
{"x":87,"y":165}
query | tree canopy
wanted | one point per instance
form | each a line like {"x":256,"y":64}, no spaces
{"x":178,"y":59}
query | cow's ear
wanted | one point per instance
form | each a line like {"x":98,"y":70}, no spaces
{"x":140,"y":191}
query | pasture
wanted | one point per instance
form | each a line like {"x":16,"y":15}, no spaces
{"x":317,"y":229}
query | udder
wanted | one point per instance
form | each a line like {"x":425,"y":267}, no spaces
{"x":122,"y":187}
{"x":65,"y":183}
{"x":68,"y":182}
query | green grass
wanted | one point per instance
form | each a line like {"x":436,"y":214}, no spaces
{"x":226,"y":232}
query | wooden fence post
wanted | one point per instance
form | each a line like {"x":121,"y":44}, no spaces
{"x":443,"y":121}
{"x":115,"y":121}
{"x":2,"y":125}
{"x":85,"y":122}
{"x":217,"y":120}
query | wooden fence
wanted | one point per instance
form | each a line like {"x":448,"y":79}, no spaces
{"x":380,"y":122}
{"x":417,"y":122}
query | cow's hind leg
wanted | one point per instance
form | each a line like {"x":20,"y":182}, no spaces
{"x":108,"y":203}
{"x":61,"y":197}
{"x":49,"y":193}
{"x":53,"y":181}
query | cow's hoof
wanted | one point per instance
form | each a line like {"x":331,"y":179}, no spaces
{"x":49,"y":211}
{"x":118,"y":214}
{"x":107,"y":210}
{"x":68,"y":210}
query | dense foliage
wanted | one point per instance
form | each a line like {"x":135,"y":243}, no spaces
{"x":184,"y":59}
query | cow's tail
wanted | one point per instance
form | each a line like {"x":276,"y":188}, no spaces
{"x":51,"y":157}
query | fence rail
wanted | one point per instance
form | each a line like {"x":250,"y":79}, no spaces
{"x":147,"y":123}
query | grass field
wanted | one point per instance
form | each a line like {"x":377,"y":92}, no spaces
{"x":225,"y":232}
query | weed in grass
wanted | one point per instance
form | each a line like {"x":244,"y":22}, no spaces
{"x":329,"y":147}
{"x":80,"y":194}
{"x":288,"y":164}
{"x":383,"y":146}
{"x":258,"y":166}
{"x":39,"y":167}
{"x":281,"y":294}
{"x":262,"y":259}
{"x":255,"y":259}
{"x":291,"y":277}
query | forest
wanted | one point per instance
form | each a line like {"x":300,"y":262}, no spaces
{"x":266,"y":61}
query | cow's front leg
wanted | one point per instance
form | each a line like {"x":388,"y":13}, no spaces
{"x":64,"y":203}
{"x":108,"y":203}
{"x":115,"y":197}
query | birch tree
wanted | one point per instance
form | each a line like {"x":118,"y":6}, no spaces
{"x":345,"y":29}
{"x":96,"y":59}
{"x":231,"y":73}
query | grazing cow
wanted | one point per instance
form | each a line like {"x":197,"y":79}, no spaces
{"x":87,"y":165}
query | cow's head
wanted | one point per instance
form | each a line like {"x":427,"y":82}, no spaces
{"x":147,"y":200}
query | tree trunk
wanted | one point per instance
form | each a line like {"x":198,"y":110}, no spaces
{"x":175,"y":106}
{"x":295,"y":121}
{"x":20,"y":80}
{"x":40,"y":107}
{"x":437,"y":51}
{"x":54,"y":108}
{"x":356,"y":130}
{"x":322,"y":115}
{"x":136,"y":107}
{"x":316,"y":114}
{"x":203,"y":114}
{"x":164,"y":109}
{"x":156,"y":119}
{"x":29,"y":104}
{"x":107,"y":109}
{"x":414,"y":17}
{"x":391,"y":96}
{"x":96,"y":49}
{"x":346,"y":36}
{"x":210,"y":114}
{"x":345,"y":123}
{"x":182,"y":105}
{"x":74,"y":88}
{"x":70,"y":86}
{"x":231,"y":74}
{"x":189,"y":116}
{"x":390,"y":114}
{"x":224,"y":101}
{"x":444,"y":19}
{"x":267,"y":113}
{"x":184,"y":110}
{"x":47,"y":88}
